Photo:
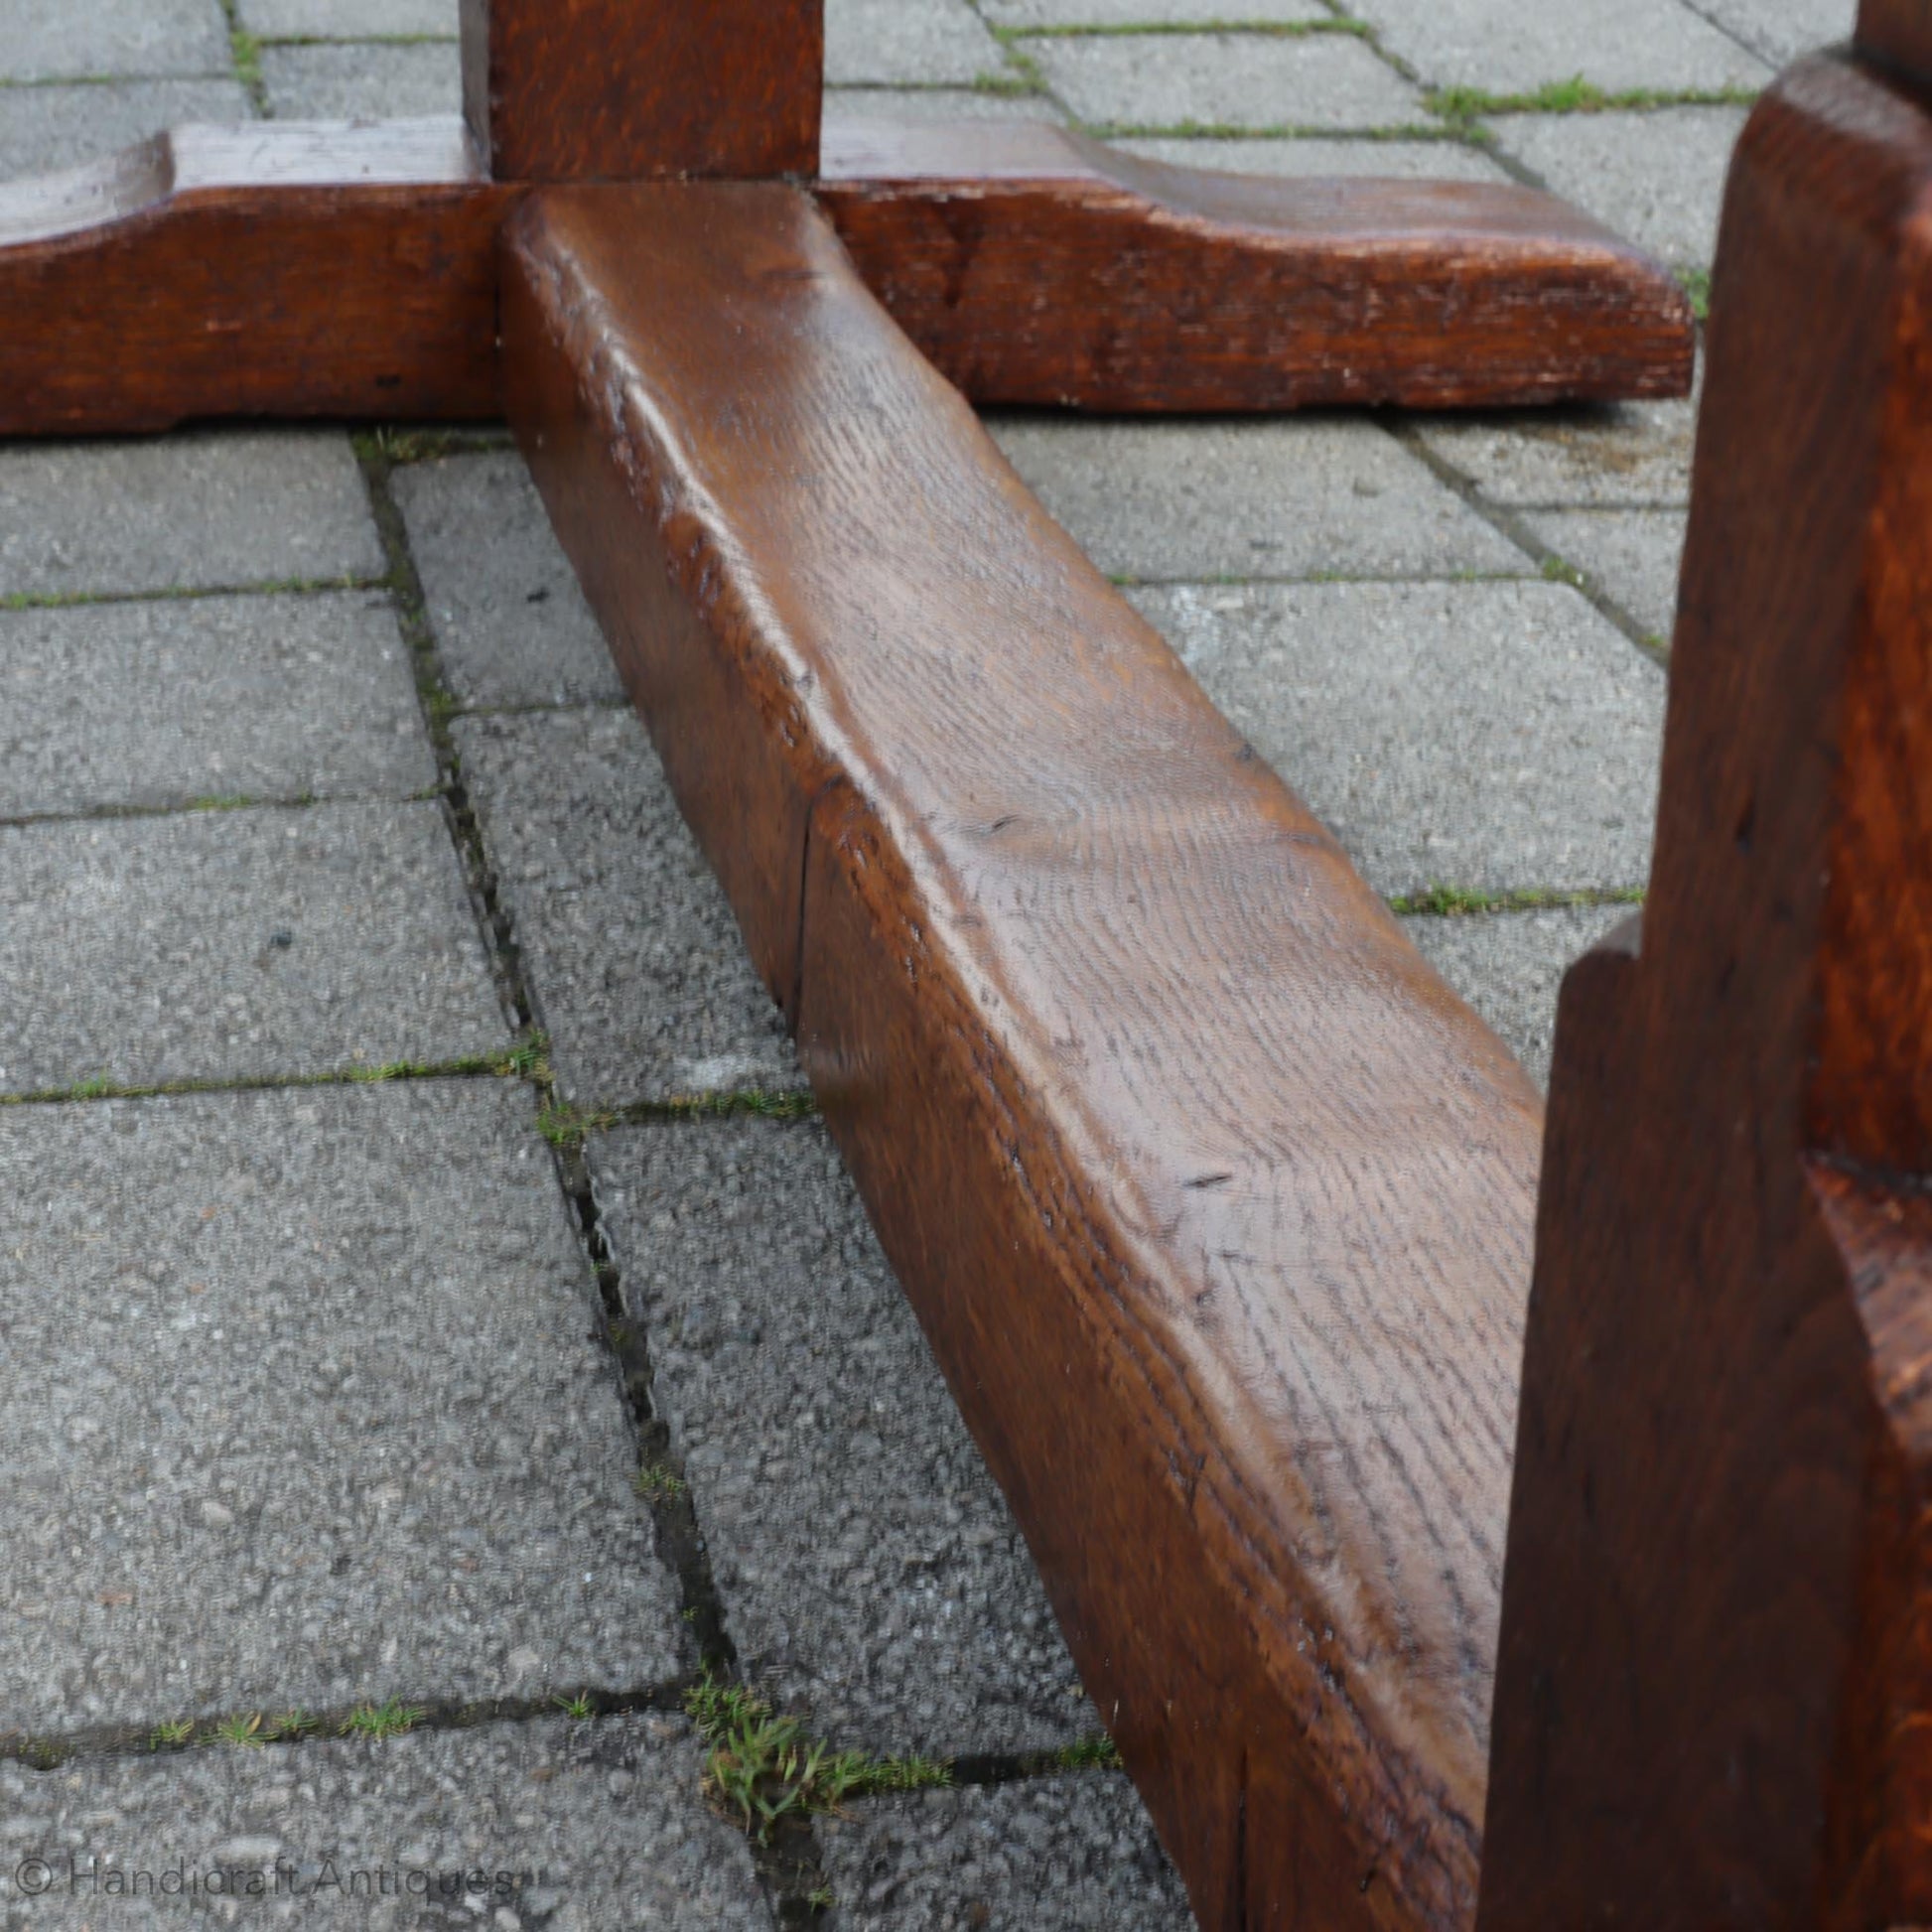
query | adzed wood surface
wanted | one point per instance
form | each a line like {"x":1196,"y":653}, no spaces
{"x":1715,"y":1691}
{"x":1033,"y":265}
{"x":324,"y":269}
{"x":1215,"y":1201}
{"x":628,"y":90}
{"x":289,"y":269}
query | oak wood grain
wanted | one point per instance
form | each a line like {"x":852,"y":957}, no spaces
{"x":327,"y":269}
{"x":1898,"y":32}
{"x":1214,"y":1199}
{"x":338,"y":269}
{"x":1715,"y":1687}
{"x":628,"y":89}
{"x":1033,"y":265}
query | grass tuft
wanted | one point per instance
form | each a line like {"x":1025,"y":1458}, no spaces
{"x":390,"y":1719}
{"x":762,"y":1769}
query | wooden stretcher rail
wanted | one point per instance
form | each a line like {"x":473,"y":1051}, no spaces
{"x":1215,"y":1201}
{"x":348,"y":270}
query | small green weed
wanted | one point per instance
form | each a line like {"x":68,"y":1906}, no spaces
{"x":390,"y":1719}
{"x":171,"y":1736}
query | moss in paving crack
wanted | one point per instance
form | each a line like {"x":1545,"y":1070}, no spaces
{"x":1578,"y":96}
{"x":1457,"y":901}
{"x":1191,"y":130}
{"x":189,"y":593}
{"x":1696,"y":283}
{"x":526,"y":1060}
{"x":1158,"y":29}
{"x":1556,"y":571}
{"x":764,"y":1769}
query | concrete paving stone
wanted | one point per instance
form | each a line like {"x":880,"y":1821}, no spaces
{"x":1326,"y":80}
{"x":1656,"y":177}
{"x":1286,"y":498}
{"x":574,"y":1828}
{"x":1493,"y":736}
{"x":510,"y":622}
{"x":306,"y":1409}
{"x":627,"y":940}
{"x":871,"y":1576}
{"x":1779,"y":31}
{"x":1134,"y":13}
{"x":55,"y":39}
{"x":1076,"y":1853}
{"x":1632,"y":455}
{"x":348,"y":20}
{"x":44,"y":130}
{"x":183,"y":698}
{"x":1631,"y":556}
{"x":201,"y":511}
{"x":351,"y":80}
{"x":1313,"y":155}
{"x":1509,"y":966}
{"x":1504,"y":47}
{"x":930,"y":42}
{"x":239,"y":944}
{"x":921,"y":105}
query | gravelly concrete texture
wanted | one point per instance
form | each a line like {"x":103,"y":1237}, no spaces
{"x":907,"y":41}
{"x":267,"y":697}
{"x":203,"y":510}
{"x":1631,"y":556}
{"x":1155,"y":500}
{"x":1071,"y":1852}
{"x":1497,"y":735}
{"x":571,"y":1828}
{"x":51,"y":40}
{"x":1320,"y":81}
{"x":362,"y":79}
{"x":226,"y":946}
{"x":1510,"y":965}
{"x":1313,"y":155}
{"x":510,"y":621}
{"x":632,"y":946}
{"x":349,"y":19}
{"x":1656,"y":177}
{"x":47,"y":128}
{"x":291,"y":1423}
{"x":1625,"y":455}
{"x":875,"y":1575}
{"x":1505,"y":48}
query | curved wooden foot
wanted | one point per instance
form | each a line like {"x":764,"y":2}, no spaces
{"x":350,"y":270}
{"x":1037,"y":266}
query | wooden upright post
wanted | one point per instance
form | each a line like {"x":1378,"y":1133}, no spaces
{"x":628,"y":90}
{"x":1714,"y":1702}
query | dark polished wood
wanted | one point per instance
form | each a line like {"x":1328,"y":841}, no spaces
{"x":336,"y":269}
{"x":1033,"y":265}
{"x":1715,"y":1690}
{"x":628,"y":90}
{"x":277,"y":269}
{"x":1215,"y":1201}
{"x":1898,"y":32}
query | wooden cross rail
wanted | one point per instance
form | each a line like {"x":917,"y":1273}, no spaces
{"x":1221,"y":1211}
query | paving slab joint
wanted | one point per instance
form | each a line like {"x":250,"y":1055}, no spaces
{"x":1511,"y":523}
